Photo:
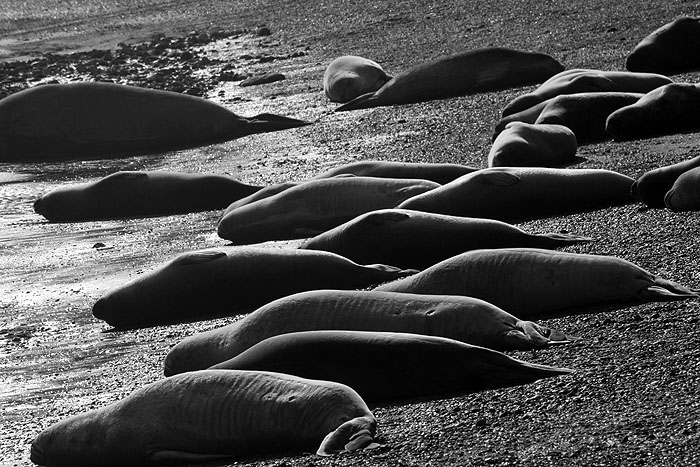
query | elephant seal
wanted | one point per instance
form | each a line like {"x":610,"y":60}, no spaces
{"x":350,"y":76}
{"x":465,"y":319}
{"x":92,"y":120}
{"x":673,"y":48}
{"x":579,"y":80}
{"x":525,"y":145}
{"x":436,"y":172}
{"x":586,"y":113}
{"x":141,"y":194}
{"x":417,"y":240}
{"x":384,"y":366}
{"x":684,"y":195}
{"x":209,"y":283}
{"x":209,"y":415}
{"x":533,"y":283}
{"x":666,"y":110}
{"x":515,"y":194}
{"x":651,"y":187}
{"x":315,"y":206}
{"x":474,"y":71}
{"x":529,"y":115}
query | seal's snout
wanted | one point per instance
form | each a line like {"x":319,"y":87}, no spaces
{"x":40,"y":206}
{"x":37,"y":455}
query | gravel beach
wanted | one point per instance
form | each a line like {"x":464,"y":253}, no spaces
{"x":634,"y":398}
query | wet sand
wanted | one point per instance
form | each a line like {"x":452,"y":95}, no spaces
{"x":634,"y":396}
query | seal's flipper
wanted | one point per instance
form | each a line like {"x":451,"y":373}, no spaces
{"x":197,"y":257}
{"x":365,"y":101}
{"x":352,"y":435}
{"x":528,"y":335}
{"x":565,"y":239}
{"x":666,"y":292}
{"x":264,"y":123}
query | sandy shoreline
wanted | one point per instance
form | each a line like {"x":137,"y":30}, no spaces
{"x":634,"y":399}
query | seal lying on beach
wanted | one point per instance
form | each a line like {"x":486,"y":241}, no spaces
{"x":579,"y":80}
{"x":525,"y":145}
{"x":586,"y":113}
{"x":206,"y":416}
{"x":141,"y":194}
{"x":205,"y":284}
{"x":481,"y":70}
{"x":651,"y":187}
{"x":673,"y":48}
{"x":436,"y":172}
{"x":533,"y":283}
{"x":315,"y":206}
{"x":417,"y":239}
{"x":350,"y":76}
{"x":667,"y":110}
{"x":91,"y":120}
{"x":383,"y":366}
{"x":684,"y":195}
{"x":465,"y":319}
{"x":514,"y":194}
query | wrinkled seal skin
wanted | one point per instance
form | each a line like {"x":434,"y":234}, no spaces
{"x":383,"y":366}
{"x":533,"y":283}
{"x":211,"y":415}
{"x":437,"y":172}
{"x":514,"y":194}
{"x":465,"y":319}
{"x":92,"y":120}
{"x":586,"y":113}
{"x":141,"y":194}
{"x":417,"y":240}
{"x":210,"y":283}
{"x":525,"y":145}
{"x":481,"y":70}
{"x":651,"y":187}
{"x":673,"y":48}
{"x":315,"y":206}
{"x":579,"y":80}
{"x":667,"y":110}
{"x":684,"y":195}
{"x":350,"y":76}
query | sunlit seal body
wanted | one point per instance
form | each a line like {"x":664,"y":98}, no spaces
{"x":415,"y":239}
{"x":684,"y":195}
{"x":529,"y":115}
{"x":141,"y":194}
{"x":350,"y":76}
{"x":533,"y":283}
{"x":464,"y":319}
{"x":579,"y":80}
{"x":384,"y":366}
{"x":208,"y":283}
{"x":481,"y":70}
{"x":88,"y":120}
{"x":206,"y":416}
{"x":315,"y":206}
{"x":514,"y":194}
{"x":525,"y":145}
{"x":673,"y":48}
{"x":651,"y":187}
{"x":667,"y":110}
{"x":586,"y":113}
{"x":437,"y":172}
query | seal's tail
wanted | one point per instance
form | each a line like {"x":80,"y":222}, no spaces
{"x":264,"y":123}
{"x":365,"y":101}
{"x":353,"y":435}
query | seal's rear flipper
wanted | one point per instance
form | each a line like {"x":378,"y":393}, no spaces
{"x":528,"y":335}
{"x":565,"y":239}
{"x":665,"y":290}
{"x":365,"y":101}
{"x":263,"y":123}
{"x":352,"y":435}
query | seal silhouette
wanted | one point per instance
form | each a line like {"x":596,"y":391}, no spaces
{"x":651,"y":188}
{"x":383,"y":366}
{"x":670,"y":49}
{"x":92,"y":120}
{"x":465,"y":319}
{"x":534,"y":283}
{"x":417,"y":240}
{"x":191,"y":287}
{"x":141,"y":194}
{"x":514,"y":194}
{"x":525,"y":145}
{"x":474,"y":71}
{"x":208,"y":416}
{"x":684,"y":195}
{"x":350,"y":76}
